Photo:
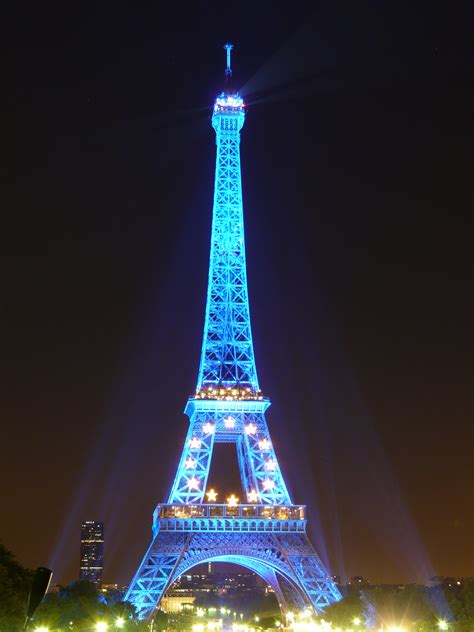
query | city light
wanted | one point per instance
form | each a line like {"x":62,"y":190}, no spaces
{"x":443,"y":625}
{"x":120,"y":622}
{"x":396,"y":628}
{"x":42,"y":628}
{"x":356,"y":621}
{"x":101,"y":626}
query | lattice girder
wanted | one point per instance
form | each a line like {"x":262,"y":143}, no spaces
{"x":280,"y":559}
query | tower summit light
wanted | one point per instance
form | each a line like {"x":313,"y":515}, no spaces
{"x":266,"y":533}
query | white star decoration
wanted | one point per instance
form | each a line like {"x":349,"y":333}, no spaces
{"x":229,"y":422}
{"x":208,"y":428}
{"x":252,"y":496}
{"x":193,"y":483}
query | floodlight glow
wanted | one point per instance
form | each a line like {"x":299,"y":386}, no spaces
{"x":101,"y":626}
{"x":356,"y":621}
{"x":42,"y":628}
{"x":200,"y":612}
{"x":120,"y":622}
{"x":443,"y":625}
{"x":396,"y":628}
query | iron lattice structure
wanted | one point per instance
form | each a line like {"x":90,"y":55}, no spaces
{"x":268,"y":533}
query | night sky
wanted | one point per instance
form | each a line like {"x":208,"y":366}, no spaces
{"x":355,"y":162}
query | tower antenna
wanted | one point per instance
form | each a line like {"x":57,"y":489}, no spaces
{"x":228,"y":70}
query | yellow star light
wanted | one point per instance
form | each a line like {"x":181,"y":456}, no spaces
{"x":211,"y":496}
{"x":233,"y":501}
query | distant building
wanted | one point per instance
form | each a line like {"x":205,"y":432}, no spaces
{"x":92,"y":551}
{"x":173,"y":604}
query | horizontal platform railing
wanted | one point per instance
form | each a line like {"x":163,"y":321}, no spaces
{"x":229,"y":518}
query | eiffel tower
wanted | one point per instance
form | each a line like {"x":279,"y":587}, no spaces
{"x":267,"y":532}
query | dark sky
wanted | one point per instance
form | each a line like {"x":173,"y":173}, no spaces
{"x":355,"y":157}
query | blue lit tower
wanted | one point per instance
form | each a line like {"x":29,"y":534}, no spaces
{"x":267,"y":532}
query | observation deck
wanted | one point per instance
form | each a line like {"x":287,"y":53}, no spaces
{"x":217,"y":517}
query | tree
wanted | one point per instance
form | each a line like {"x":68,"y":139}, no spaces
{"x":15,"y":583}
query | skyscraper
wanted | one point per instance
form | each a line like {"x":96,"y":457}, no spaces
{"x":92,"y":551}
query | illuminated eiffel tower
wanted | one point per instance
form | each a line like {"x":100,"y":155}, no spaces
{"x":266,"y":533}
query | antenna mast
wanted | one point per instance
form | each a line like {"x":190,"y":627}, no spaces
{"x":228,"y":70}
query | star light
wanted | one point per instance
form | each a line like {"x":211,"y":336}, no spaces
{"x":208,"y":428}
{"x":193,"y":483}
{"x":443,"y":625}
{"x":264,"y":444}
{"x":250,"y":429}
{"x":229,"y":422}
{"x":268,"y":484}
{"x":270,"y":465}
{"x":195,"y":443}
{"x":253,"y":496}
{"x":189,"y":463}
{"x":233,"y":501}
{"x":211,"y":496}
